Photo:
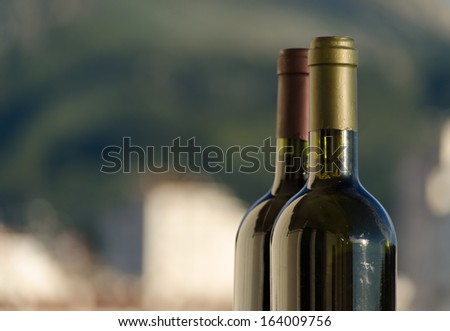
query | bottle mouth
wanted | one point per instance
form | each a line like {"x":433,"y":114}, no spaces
{"x":293,"y":61}
{"x":333,"y":42}
{"x":333,"y":50}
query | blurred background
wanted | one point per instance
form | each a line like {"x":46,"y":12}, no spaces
{"x":79,"y":75}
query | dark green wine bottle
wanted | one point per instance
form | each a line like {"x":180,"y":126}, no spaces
{"x":252,"y":267}
{"x":333,"y":246}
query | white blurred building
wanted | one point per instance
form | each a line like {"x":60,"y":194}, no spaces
{"x":438,"y":181}
{"x":188,"y":248}
{"x":31,"y":277}
{"x":423,"y":225}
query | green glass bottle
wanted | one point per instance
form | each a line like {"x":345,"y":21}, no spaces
{"x":252,"y":265}
{"x":333,"y":246}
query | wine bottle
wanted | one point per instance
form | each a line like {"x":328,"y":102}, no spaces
{"x":333,"y":246}
{"x":252,"y":266}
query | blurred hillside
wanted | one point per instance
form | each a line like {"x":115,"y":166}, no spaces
{"x":77,"y":76}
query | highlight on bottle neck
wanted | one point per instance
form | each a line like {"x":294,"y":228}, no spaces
{"x":332,"y":154}
{"x":333,"y":98}
{"x":293,"y":94}
{"x":291,"y":165}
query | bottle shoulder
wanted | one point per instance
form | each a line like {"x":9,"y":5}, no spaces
{"x":261,"y":216}
{"x":346,"y":209}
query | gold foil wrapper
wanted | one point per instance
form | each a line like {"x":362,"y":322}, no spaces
{"x":332,"y":63}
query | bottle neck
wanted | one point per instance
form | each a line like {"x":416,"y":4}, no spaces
{"x":291,"y":165}
{"x":292,"y":121}
{"x":333,"y":122}
{"x":333,"y":157}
